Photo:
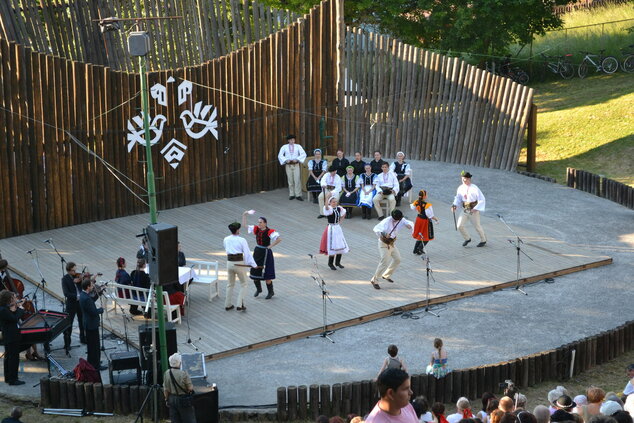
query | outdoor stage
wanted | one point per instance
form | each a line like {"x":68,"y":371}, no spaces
{"x":296,"y":309}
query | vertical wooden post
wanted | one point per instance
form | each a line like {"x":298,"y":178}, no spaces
{"x":531,"y":139}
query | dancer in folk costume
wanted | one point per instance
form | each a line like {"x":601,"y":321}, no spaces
{"x":265,"y":239}
{"x":472,"y":201}
{"x":423,"y":227}
{"x":317,"y":168}
{"x":349,"y":196}
{"x":333,"y":243}
{"x":331,"y":187}
{"x":365,"y":182}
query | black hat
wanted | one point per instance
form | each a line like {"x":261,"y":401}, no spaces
{"x":397,"y":214}
{"x":564,"y":402}
{"x":465,"y":174}
{"x":331,"y":168}
{"x":234,"y":226}
{"x":290,"y":136}
{"x":561,"y":416}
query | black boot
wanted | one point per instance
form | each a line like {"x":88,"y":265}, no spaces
{"x":258,"y":287}
{"x":331,"y":260}
{"x":348,"y":212}
{"x":418,"y":248}
{"x":269,"y":288}
{"x":338,"y":261}
{"x":398,"y":200}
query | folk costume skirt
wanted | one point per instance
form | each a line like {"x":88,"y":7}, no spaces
{"x":263,"y":257}
{"x":424,"y":227}
{"x":332,"y":241}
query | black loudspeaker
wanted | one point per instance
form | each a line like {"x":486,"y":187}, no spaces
{"x":205,"y":402}
{"x":145,"y":341}
{"x":163,"y":240}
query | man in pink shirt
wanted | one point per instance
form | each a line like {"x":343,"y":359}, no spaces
{"x":394,"y":405}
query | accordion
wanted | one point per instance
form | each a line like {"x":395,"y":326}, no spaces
{"x":386,"y":190}
{"x":469,"y":206}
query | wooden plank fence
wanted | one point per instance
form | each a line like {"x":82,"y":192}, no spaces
{"x":307,"y":402}
{"x":49,"y":105}
{"x":586,"y":4}
{"x":553,"y":365}
{"x":205,"y":31}
{"x":600,"y":186}
{"x":397,"y":97}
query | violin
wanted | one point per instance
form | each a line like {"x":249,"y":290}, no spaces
{"x":16,"y":286}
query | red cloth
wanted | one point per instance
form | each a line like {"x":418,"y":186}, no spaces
{"x":467,"y":414}
{"x":323,"y":245}
{"x":442,"y":419}
{"x":178,"y":298}
{"x":84,"y":372}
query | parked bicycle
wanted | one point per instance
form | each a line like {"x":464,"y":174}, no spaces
{"x":561,"y":67}
{"x":601,"y":63}
{"x":505,"y":69}
{"x":627,"y":65}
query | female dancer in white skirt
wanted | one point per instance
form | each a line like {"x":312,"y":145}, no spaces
{"x":365,"y":182}
{"x":333,"y":243}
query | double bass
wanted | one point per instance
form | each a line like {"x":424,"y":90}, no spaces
{"x":16,"y":286}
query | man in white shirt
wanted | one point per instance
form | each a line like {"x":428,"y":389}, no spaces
{"x":386,"y":184}
{"x":330,"y":183}
{"x":395,"y":390}
{"x":239,"y":259}
{"x":471,"y":200}
{"x":387,"y":230}
{"x":291,"y":156}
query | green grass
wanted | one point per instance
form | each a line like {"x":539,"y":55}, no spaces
{"x":612,"y":37}
{"x":586,"y":124}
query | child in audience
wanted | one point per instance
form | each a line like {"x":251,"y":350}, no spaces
{"x":392,"y":361}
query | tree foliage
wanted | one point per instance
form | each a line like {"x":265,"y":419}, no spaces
{"x":474,"y":26}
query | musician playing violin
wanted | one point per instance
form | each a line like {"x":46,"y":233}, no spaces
{"x":17,"y":287}
{"x":71,"y":286}
{"x":10,"y":313}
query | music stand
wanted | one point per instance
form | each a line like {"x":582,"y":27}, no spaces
{"x":324,"y":296}
{"x":517,"y":244}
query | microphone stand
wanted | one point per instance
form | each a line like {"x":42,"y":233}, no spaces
{"x":324,"y":295}
{"x":101,"y":294}
{"x":518,"y":248}
{"x":62,"y":259}
{"x":187,"y":309}
{"x":430,"y":276}
{"x":42,"y":283}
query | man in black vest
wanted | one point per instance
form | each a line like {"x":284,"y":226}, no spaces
{"x":71,"y":290}
{"x":91,"y":322}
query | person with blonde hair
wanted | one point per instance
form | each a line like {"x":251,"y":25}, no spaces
{"x":438,"y":364}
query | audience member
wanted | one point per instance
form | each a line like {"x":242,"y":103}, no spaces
{"x":601,"y":419}
{"x":483,"y":415}
{"x":520,"y":402}
{"x":629,"y":387}
{"x":524,"y":416}
{"x":629,"y":405}
{"x":562,"y":416}
{"x":14,"y":417}
{"x":565,"y":403}
{"x":553,"y":395}
{"x":595,"y":398}
{"x":322,"y":419}
{"x":611,"y":396}
{"x":508,"y":418}
{"x":356,"y":419}
{"x":336,"y":419}
{"x":608,"y":408}
{"x":392,"y":361}
{"x":541,"y":413}
{"x":463,"y":411}
{"x":438,"y":412}
{"x":580,"y":400}
{"x":495,"y":416}
{"x":492,"y":406}
{"x":438,"y":363}
{"x":506,"y":404}
{"x":622,"y":417}
{"x":177,"y":385}
{"x":395,"y":393}
{"x":421,"y":407}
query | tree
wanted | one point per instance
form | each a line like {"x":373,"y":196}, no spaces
{"x":485,"y":27}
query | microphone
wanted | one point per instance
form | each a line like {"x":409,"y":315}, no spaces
{"x":310,"y":255}
{"x":47,"y":241}
{"x":498,"y":215}
{"x":139,"y":235}
{"x":30,"y":251}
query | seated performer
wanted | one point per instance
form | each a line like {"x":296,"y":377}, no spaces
{"x":330,"y":183}
{"x":340,"y":163}
{"x":333,"y":243}
{"x":387,"y":230}
{"x":316,"y":170}
{"x":265,"y":239}
{"x":423,"y":228}
{"x":182,"y":260}
{"x":377,"y":163}
{"x":403,"y":174}
{"x":358,"y":164}
{"x":366,"y":192}
{"x":140,"y":279}
{"x":386,"y":186}
{"x":349,"y":196}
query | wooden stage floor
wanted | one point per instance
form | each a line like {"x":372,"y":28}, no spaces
{"x":296,"y":309}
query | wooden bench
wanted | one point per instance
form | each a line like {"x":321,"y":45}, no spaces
{"x":126,"y":294}
{"x":206,"y":274}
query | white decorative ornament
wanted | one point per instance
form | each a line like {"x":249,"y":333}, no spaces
{"x":174,"y":152}
{"x":200,"y":116}
{"x":184,"y":90}
{"x":137,"y":135}
{"x":159,"y":93}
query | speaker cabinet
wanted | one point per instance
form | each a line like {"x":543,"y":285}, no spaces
{"x":145,"y":340}
{"x":163,"y":240}
{"x":205,"y":402}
